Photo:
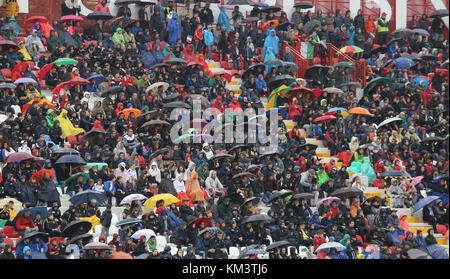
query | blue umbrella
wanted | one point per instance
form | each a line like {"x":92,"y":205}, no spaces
{"x":35,"y":255}
{"x":260,"y":5}
{"x":33,"y":211}
{"x":403,"y":63}
{"x":335,"y":109}
{"x":86,"y":197}
{"x":423,"y":202}
{"x":99,"y":78}
{"x":437,"y":251}
{"x":128,"y":221}
{"x":25,"y":80}
{"x":417,"y":80}
{"x":254,"y":252}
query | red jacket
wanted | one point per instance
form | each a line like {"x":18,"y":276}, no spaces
{"x":317,"y":241}
{"x":22,"y":223}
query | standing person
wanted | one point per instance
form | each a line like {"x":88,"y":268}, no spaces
{"x":69,"y":7}
{"x":370,"y":27}
{"x":193,"y":189}
{"x":209,"y":40}
{"x":223,"y":19}
{"x":358,"y":21}
{"x":102,"y":6}
{"x":174,"y":29}
{"x":106,"y":220}
{"x":382,"y":29}
{"x":237,"y":17}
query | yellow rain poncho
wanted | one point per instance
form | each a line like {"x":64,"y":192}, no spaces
{"x":94,"y":220}
{"x":67,"y":127}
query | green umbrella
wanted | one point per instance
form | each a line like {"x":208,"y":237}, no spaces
{"x":375,"y":82}
{"x":99,"y":165}
{"x":75,"y":176}
{"x":65,"y":61}
{"x":343,"y":64}
{"x":182,"y":137}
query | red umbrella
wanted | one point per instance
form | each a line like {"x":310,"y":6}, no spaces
{"x":72,"y":18}
{"x":197,"y":221}
{"x":40,"y":19}
{"x":41,"y":174}
{"x":227,"y":76}
{"x":17,"y":156}
{"x":79,"y":80}
{"x":17,"y":71}
{"x":324,"y":118}
{"x":44,"y":70}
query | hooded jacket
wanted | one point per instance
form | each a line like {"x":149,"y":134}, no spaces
{"x":174,"y":29}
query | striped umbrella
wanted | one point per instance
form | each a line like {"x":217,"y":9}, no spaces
{"x":272,"y":100}
{"x":351,"y":49}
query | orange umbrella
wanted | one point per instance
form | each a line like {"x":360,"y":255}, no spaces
{"x":120,"y":256}
{"x":41,"y":174}
{"x":266,"y":25}
{"x":359,"y":110}
{"x":40,"y":103}
{"x":127,"y":112}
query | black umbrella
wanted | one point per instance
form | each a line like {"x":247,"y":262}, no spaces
{"x":271,"y":9}
{"x":9,"y":27}
{"x":381,"y":49}
{"x":71,"y":160}
{"x":158,"y":65}
{"x":177,"y":105}
{"x":86,"y":237}
{"x":121,"y":2}
{"x":293,"y":66}
{"x":255,"y":201}
{"x":171,"y":97}
{"x":253,"y":70}
{"x":418,"y":254}
{"x":155,"y":122}
{"x":250,"y":19}
{"x":303,"y":5}
{"x":439,"y":13}
{"x":161,"y":151}
{"x":274,"y":62}
{"x":152,"y":113}
{"x":213,"y":231}
{"x":348,"y":84}
{"x":143,"y":256}
{"x":112,"y":90}
{"x":429,"y":57}
{"x":99,"y":15}
{"x":65,"y":150}
{"x":242,"y":174}
{"x":34,"y":234}
{"x":76,"y":227}
{"x":303,"y":196}
{"x":421,"y":32}
{"x":309,"y":73}
{"x":277,"y":244}
{"x":279,"y":80}
{"x":405,"y":31}
{"x":344,"y":193}
{"x":93,"y":134}
{"x":7,"y":85}
{"x":86,"y":196}
{"x":176,"y":61}
{"x":128,"y":221}
{"x":281,"y":194}
{"x":239,"y":2}
{"x":258,"y":218}
{"x":238,"y":146}
{"x":310,"y":25}
{"x":115,"y":23}
{"x":432,"y":139}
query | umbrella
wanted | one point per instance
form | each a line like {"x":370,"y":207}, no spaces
{"x":132,"y":197}
{"x":328,"y":245}
{"x":93,"y":134}
{"x":243,"y":174}
{"x":351,"y":49}
{"x":66,"y":150}
{"x":343,"y":64}
{"x":113,"y":90}
{"x":254,"y":252}
{"x":400,"y":41}
{"x":400,"y":31}
{"x":345,"y":193}
{"x":329,"y":199}
{"x":71,"y":18}
{"x":176,"y":61}
{"x":120,"y":256}
{"x":381,"y":49}
{"x":281,"y":194}
{"x":7,"y":43}
{"x":324,"y":118}
{"x":429,"y":57}
{"x":237,"y":147}
{"x":312,"y":69}
{"x":25,"y":80}
{"x":177,"y":105}
{"x":222,"y":155}
{"x":17,"y":204}
{"x":421,"y":32}
{"x":33,"y":212}
{"x":76,"y":227}
{"x":303,"y":196}
{"x":212,"y":231}
{"x":182,"y":138}
{"x":171,"y":97}
{"x":251,"y":202}
{"x":271,"y":9}
{"x":332,"y":110}
{"x":115,"y":23}
{"x":403,"y":63}
{"x":277,"y":244}
{"x":9,"y":27}
{"x":208,"y":137}
{"x":168,"y":200}
{"x":7,"y":85}
{"x":99,"y":15}
{"x":275,"y":62}
{"x":98,"y":165}
{"x":239,"y":2}
{"x":41,"y":103}
{"x":392,"y":173}
{"x":303,"y":5}
{"x":250,"y":19}
{"x":71,"y":159}
{"x":253,"y":70}
{"x":86,"y":196}
{"x":432,"y":139}
{"x":267,"y":24}
{"x":204,"y":101}
{"x":359,"y":110}
{"x":35,"y":255}
{"x":17,"y":156}
{"x":128,"y":221}
{"x":424,"y":202}
{"x":75,"y":177}
{"x":260,"y":5}
{"x":161,"y":151}
{"x":121,"y":2}
{"x":145,"y":232}
{"x":293,"y":66}
{"x":416,"y":180}
{"x":197,"y":221}
{"x":40,"y":19}
{"x":96,"y":246}
{"x":280,"y":80}
{"x":258,"y":218}
{"x":128,"y":111}
{"x":376,"y":82}
{"x":85,"y":237}
{"x":439,"y":13}
{"x":310,"y":25}
{"x":65,"y":61}
{"x":155,"y":122}
{"x":412,"y":57}
{"x":32,"y":235}
{"x":389,"y":121}
{"x":98,"y":78}
{"x":41,"y":174}
{"x":417,"y":254}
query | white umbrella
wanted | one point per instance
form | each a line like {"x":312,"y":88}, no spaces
{"x":17,"y":204}
{"x":155,"y":85}
{"x":336,"y":245}
{"x":132,"y":197}
{"x":389,"y":120}
{"x":145,"y":232}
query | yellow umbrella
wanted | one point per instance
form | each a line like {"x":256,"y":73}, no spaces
{"x":168,"y":200}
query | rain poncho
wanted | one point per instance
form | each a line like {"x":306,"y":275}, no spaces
{"x":268,"y":55}
{"x":166,"y":52}
{"x":18,"y":31}
{"x":272,"y":41}
{"x":223,"y":19}
{"x":323,"y":176}
{"x":367,"y":169}
{"x":67,"y":127}
{"x":51,"y":119}
{"x":174,"y":29}
{"x":147,"y":58}
{"x":158,"y":55}
{"x":118,"y":38}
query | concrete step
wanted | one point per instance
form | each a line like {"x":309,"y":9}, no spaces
{"x":319,"y":143}
{"x":323,"y":152}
